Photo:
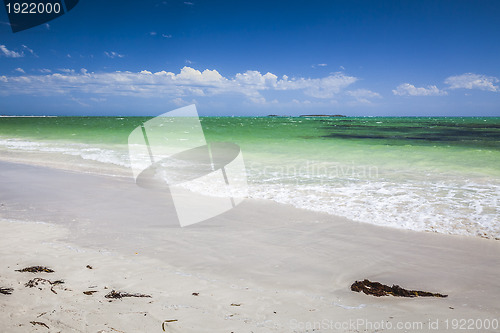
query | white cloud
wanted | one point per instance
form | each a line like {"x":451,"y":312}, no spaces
{"x":181,"y":102}
{"x":66,"y":70}
{"x":189,"y":74}
{"x":10,"y":54}
{"x":166,"y":36}
{"x":363,"y":95}
{"x":153,"y":33}
{"x":188,"y":3}
{"x":20,"y":70}
{"x":188,"y":82}
{"x":29,"y":50}
{"x":407,"y":89}
{"x":98,"y":100}
{"x":113,"y":55}
{"x":257,"y":80}
{"x":472,"y":81}
{"x":326,"y":87}
{"x":79,"y":101}
{"x":311,"y":104}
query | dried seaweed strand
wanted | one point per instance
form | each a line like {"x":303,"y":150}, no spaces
{"x":120,"y":294}
{"x":34,"y":283}
{"x":378,"y":289}
{"x":39,"y":323}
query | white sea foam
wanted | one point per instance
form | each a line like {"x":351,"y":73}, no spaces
{"x":460,"y":207}
{"x":86,"y":152}
{"x":441,"y":203}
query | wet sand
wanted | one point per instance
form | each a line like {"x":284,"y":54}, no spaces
{"x":260,"y":267}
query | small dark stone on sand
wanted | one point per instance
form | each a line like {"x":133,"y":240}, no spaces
{"x":378,"y":289}
{"x":195,"y":294}
{"x":89,"y":267}
{"x":90,"y":292}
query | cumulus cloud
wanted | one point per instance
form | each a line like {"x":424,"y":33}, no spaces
{"x":256,"y":79}
{"x":20,"y":70}
{"x":208,"y":76}
{"x":10,"y":54}
{"x":407,"y":89}
{"x":113,"y":54}
{"x":188,"y":82}
{"x":472,"y":81}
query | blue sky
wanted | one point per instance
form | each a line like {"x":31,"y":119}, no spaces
{"x":359,"y":58}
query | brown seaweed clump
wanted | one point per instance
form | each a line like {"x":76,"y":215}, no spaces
{"x":36,"y":269}
{"x":119,"y":294}
{"x":6,"y":291}
{"x":378,"y":289}
{"x":36,"y":281}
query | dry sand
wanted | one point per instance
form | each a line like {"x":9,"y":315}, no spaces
{"x":261,"y":267}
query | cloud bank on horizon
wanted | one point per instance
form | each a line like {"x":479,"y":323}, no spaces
{"x":190,"y":82}
{"x":248,"y":61}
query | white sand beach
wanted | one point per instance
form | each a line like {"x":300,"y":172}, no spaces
{"x":249,"y":166}
{"x":261,"y":267}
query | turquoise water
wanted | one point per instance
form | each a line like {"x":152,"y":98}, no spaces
{"x":427,"y":174}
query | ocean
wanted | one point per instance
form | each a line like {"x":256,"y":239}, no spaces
{"x":426,"y":174}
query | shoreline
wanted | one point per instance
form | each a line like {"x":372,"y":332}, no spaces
{"x":101,"y":169}
{"x":275,"y":258}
